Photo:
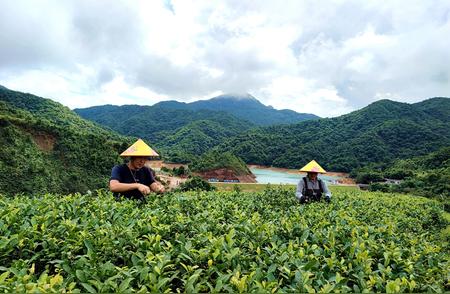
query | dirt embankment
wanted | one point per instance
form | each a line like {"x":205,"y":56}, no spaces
{"x":220,"y":175}
{"x":345,"y":181}
{"x":171,"y":182}
{"x":159,"y":163}
{"x":45,"y":142}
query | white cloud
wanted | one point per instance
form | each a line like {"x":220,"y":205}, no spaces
{"x":324,"y":58}
{"x":304,"y":96}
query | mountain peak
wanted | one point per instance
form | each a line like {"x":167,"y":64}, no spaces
{"x":236,"y":96}
{"x":384,"y":101}
{"x":249,"y":108}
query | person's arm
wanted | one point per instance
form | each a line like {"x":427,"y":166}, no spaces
{"x":299,"y":192}
{"x":326,"y":191}
{"x":116,"y":186}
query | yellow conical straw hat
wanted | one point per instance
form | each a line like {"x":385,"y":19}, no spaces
{"x":139,"y":148}
{"x":313,"y":166}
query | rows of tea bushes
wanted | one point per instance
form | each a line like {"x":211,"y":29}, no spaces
{"x":223,"y":242}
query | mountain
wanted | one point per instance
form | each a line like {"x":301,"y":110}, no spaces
{"x":243,"y":106}
{"x":182,"y":131}
{"x":46,"y":147}
{"x":195,"y":139}
{"x":155,"y":123}
{"x":379,"y":133}
{"x":437,"y":107}
{"x":179,"y":134}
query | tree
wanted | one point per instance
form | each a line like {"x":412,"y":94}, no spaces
{"x":196,"y":183}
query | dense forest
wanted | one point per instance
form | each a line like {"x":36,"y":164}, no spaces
{"x":48,"y":148}
{"x":379,"y":133}
{"x":179,"y":135}
{"x":214,"y":160}
{"x":196,"y":138}
{"x":427,"y":175}
{"x":155,"y":123}
{"x":183,"y":131}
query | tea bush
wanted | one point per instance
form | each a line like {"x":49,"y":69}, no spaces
{"x":223,"y":242}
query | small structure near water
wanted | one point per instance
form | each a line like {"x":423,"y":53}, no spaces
{"x":392,"y":181}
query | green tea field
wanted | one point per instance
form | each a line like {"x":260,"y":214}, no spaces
{"x":232,"y":241}
{"x":255,"y":187}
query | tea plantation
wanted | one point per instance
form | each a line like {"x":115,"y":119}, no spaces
{"x":223,"y":242}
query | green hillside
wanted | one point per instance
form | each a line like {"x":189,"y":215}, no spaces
{"x":381,"y":132}
{"x":427,"y":175}
{"x":195,"y":138}
{"x":158,"y":124}
{"x":201,"y":242}
{"x":437,"y":107}
{"x":215,"y":160}
{"x":47,"y":147}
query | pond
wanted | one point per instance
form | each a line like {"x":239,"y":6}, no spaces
{"x":266,"y":176}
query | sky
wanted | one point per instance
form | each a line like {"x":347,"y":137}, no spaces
{"x":312,"y":56}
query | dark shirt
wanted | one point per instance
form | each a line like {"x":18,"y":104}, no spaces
{"x":124,"y":175}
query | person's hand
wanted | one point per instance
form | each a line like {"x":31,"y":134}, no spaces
{"x":143,"y":189}
{"x":157,"y":187}
{"x":161,"y":189}
{"x":303,"y":199}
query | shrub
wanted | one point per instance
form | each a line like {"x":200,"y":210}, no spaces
{"x":196,"y":183}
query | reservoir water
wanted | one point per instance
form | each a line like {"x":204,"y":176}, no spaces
{"x":266,"y":176}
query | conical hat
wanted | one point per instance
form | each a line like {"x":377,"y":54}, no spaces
{"x":139,"y":148}
{"x":313,"y":166}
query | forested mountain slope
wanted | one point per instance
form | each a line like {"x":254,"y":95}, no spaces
{"x":47,"y":147}
{"x":383,"y":131}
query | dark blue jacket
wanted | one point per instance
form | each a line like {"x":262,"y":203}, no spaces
{"x":123,"y":174}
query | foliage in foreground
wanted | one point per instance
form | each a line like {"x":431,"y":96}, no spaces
{"x":222,"y":242}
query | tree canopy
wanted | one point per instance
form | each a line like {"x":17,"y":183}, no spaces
{"x":48,"y":148}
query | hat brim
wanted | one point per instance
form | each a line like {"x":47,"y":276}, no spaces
{"x":149,"y":157}
{"x":312,"y":171}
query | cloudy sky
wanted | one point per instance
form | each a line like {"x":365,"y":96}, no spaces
{"x":321,"y":57}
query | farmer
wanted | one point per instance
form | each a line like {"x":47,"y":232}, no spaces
{"x":311,"y":188}
{"x":133,"y":180}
